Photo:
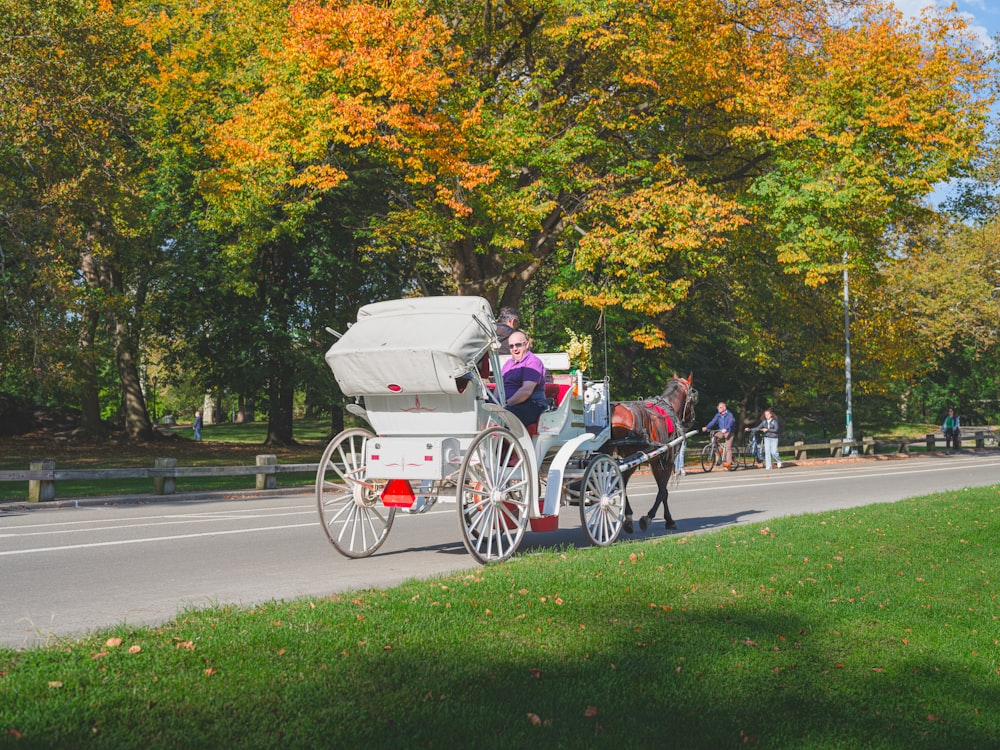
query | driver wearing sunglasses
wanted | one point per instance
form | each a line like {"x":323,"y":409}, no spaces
{"x":524,"y":380}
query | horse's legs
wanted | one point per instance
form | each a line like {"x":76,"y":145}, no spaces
{"x":661,"y":473}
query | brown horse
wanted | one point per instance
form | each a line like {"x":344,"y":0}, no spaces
{"x":641,"y":426}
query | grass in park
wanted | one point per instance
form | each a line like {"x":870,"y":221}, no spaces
{"x":873,"y":627}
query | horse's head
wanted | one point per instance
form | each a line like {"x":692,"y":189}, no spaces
{"x":682,"y":396}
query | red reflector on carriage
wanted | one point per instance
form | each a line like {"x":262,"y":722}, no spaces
{"x":394,"y":388}
{"x":398,"y":494}
{"x":428,"y":458}
{"x":374,"y":456}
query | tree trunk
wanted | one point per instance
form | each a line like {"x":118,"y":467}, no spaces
{"x":91,"y":425}
{"x":137,"y":424}
{"x":281,"y":392}
{"x":336,"y":421}
{"x":90,"y":403}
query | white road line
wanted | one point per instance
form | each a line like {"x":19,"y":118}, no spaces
{"x":168,"y":516}
{"x":38,"y":550}
{"x":164,"y":521}
{"x":780,"y":476}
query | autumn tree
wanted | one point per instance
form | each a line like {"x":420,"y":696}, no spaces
{"x":72,"y":228}
{"x":267,"y":270}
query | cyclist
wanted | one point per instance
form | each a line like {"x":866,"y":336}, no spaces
{"x":769,"y":426}
{"x":725,"y":423}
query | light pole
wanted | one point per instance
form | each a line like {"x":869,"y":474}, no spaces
{"x":849,"y":434}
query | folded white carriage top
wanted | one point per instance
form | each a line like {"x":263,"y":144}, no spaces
{"x":417,"y":345}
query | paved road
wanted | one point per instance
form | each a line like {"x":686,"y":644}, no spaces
{"x":64,"y":571}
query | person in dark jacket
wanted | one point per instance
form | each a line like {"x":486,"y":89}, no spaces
{"x":507,"y":322}
{"x":770,"y":429}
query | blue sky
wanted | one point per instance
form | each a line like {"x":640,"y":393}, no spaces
{"x":983,"y":16}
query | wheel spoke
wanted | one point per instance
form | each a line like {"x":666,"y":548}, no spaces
{"x":350,"y":506}
{"x":602,"y":500}
{"x":494,"y":491}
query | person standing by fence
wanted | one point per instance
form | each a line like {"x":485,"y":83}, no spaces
{"x":952,"y":436}
{"x":769,"y":429}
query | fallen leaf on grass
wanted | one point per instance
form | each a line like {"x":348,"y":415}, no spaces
{"x":590,"y":712}
{"x":210,"y":671}
{"x":99,"y":655}
{"x":112,"y":642}
{"x":14,"y":733}
{"x":189,"y":645}
{"x":134,"y":649}
{"x":535,"y":719}
{"x":55,"y":684}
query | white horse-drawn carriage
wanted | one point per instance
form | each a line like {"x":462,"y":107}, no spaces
{"x":440,"y":432}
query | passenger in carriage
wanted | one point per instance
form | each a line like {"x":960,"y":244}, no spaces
{"x":507,"y":322}
{"x":524,"y":381}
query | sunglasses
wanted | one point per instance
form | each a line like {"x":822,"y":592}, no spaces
{"x":518,"y":346}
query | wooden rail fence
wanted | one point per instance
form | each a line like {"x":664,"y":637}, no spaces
{"x":981,"y":438}
{"x":42,"y":476}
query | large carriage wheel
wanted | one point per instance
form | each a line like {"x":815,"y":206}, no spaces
{"x":602,"y":500}
{"x":350,"y":507}
{"x":494,"y":489}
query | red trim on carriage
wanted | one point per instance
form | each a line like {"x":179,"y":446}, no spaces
{"x":557,"y":391}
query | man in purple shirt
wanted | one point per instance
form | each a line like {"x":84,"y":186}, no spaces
{"x":524,"y":380}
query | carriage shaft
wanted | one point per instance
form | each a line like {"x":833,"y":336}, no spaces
{"x":643,"y":457}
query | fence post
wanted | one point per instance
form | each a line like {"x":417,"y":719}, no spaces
{"x":930,"y":442}
{"x":41,"y":490}
{"x":980,"y":440}
{"x":267,"y":481}
{"x":800,"y":453}
{"x":904,"y":445}
{"x":165,"y":485}
{"x":868,"y":446}
{"x":836,"y":446}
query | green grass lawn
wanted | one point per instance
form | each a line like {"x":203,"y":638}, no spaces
{"x":874,"y":627}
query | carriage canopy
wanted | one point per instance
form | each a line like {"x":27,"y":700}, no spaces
{"x":416,"y":346}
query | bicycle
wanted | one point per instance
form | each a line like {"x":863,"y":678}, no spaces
{"x":751,"y":453}
{"x":712,"y":454}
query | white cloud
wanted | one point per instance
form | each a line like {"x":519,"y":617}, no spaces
{"x":913,"y":8}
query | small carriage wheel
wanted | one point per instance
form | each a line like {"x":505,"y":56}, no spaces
{"x":350,"y":507}
{"x":708,"y":457}
{"x":602,"y":500}
{"x":495,"y":485}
